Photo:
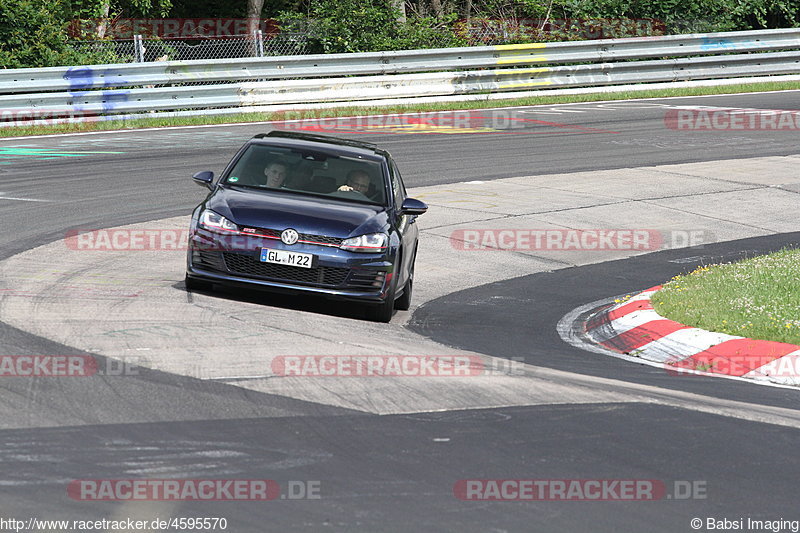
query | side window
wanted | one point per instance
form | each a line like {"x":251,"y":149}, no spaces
{"x":399,"y":191}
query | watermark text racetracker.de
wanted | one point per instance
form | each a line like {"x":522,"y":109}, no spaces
{"x":715,"y":119}
{"x":495,"y":29}
{"x":477,"y":239}
{"x":128,"y":240}
{"x":44,"y":117}
{"x":578,"y":490}
{"x":773,"y":366}
{"x":489,"y":121}
{"x":160,"y":240}
{"x":193,"y":490}
{"x":171,"y":28}
{"x":393,"y":366}
{"x":42,"y":366}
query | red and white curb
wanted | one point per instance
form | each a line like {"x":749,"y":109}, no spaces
{"x":634,"y":328}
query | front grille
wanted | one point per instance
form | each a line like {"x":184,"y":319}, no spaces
{"x":269,"y":232}
{"x":249,"y":265}
{"x":322,"y":239}
{"x":334,"y":241}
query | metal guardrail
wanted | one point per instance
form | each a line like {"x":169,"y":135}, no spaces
{"x":180,"y":85}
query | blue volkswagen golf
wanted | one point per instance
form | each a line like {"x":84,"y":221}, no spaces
{"x":301,"y":213}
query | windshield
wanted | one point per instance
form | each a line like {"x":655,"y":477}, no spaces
{"x":313,"y":173}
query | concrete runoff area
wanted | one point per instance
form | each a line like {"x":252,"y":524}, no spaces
{"x":131,"y":305}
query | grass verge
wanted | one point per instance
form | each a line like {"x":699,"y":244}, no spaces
{"x":757,"y":298}
{"x":157,"y":122}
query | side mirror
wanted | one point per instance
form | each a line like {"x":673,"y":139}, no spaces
{"x":204,"y":178}
{"x":412,"y":206}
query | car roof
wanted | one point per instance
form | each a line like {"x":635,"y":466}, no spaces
{"x":321,"y":142}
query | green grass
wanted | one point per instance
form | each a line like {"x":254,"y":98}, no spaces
{"x":157,"y":122}
{"x":757,"y":298}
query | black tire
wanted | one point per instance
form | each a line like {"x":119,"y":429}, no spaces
{"x":404,"y":302}
{"x":196,"y":284}
{"x":382,"y":312}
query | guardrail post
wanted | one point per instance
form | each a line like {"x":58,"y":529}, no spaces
{"x":258,"y":38}
{"x":138,"y":47}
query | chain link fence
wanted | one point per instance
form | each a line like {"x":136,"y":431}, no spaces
{"x":472,"y":32}
{"x":138,"y":49}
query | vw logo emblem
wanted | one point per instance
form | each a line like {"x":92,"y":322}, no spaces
{"x":289,"y":236}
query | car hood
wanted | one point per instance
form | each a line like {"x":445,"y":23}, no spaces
{"x":306,"y":214}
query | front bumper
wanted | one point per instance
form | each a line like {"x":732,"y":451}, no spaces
{"x":337,"y":274}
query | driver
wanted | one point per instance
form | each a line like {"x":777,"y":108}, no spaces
{"x":357,"y":180}
{"x":276,"y":174}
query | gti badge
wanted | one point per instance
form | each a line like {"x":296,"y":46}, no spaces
{"x":289,"y":236}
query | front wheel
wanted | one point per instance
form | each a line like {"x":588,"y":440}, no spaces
{"x":383,"y":311}
{"x":404,"y":302}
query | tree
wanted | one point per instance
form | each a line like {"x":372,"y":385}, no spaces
{"x":366,"y":25}
{"x":33,"y":34}
{"x":399,"y":6}
{"x":254,"y":9}
{"x":102,"y":11}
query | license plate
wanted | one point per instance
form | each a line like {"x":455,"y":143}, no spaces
{"x":282,"y":257}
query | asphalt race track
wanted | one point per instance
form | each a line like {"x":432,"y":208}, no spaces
{"x":384,"y":454}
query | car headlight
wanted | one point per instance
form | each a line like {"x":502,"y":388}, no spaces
{"x":214,"y":221}
{"x":374,"y":242}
